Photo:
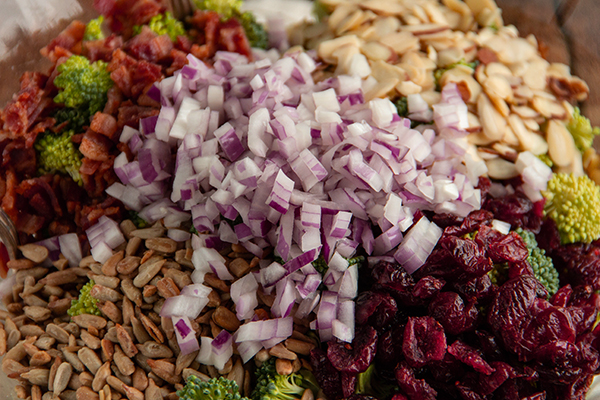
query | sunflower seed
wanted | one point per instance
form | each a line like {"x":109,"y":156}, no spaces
{"x":125,"y":341}
{"x":88,"y":320}
{"x":147,"y":271}
{"x":123,"y":362}
{"x":155,"y":350}
{"x":61,"y":380}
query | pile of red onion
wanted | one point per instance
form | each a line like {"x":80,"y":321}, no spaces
{"x":307,"y":169}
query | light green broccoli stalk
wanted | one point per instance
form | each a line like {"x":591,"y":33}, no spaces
{"x":83,"y":85}
{"x":164,"y":24}
{"x":272,"y":386}
{"x":93,"y":30}
{"x":85,"y":304}
{"x":542,"y":265}
{"x":369,"y":383}
{"x":215,"y":389}
{"x":255,"y":32}
{"x":56,"y":153}
{"x":582,"y":131}
{"x":574,"y":204}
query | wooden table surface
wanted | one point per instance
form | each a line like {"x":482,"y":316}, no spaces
{"x":572,"y":38}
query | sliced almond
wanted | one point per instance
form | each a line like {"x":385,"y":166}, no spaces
{"x":401,"y":42}
{"x":406,"y":88}
{"x":498,"y":86}
{"x":524,"y":111}
{"x":561,"y":147}
{"x":549,"y":108}
{"x":492,"y":121}
{"x":510,"y":138}
{"x":383,"y":7}
{"x":526,"y":138}
{"x":327,"y":48}
{"x":499,"y":168}
{"x":536,"y":75}
{"x":351,"y":22}
{"x":375,"y":51}
{"x":340,"y":13}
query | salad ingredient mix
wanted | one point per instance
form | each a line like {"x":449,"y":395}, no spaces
{"x":401,"y":212}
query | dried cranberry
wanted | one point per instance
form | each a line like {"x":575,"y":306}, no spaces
{"x":488,"y":384}
{"x":447,"y":370}
{"x":348,"y":383}
{"x":376,"y":308}
{"x":467,"y":392}
{"x":327,"y":376}
{"x":424,"y":341}
{"x":427,"y":287}
{"x":392,"y":276}
{"x":486,"y":235}
{"x":399,"y":396}
{"x":489,"y":345}
{"x":478,"y":289}
{"x":471,"y":223}
{"x":537,"y":396}
{"x":509,"y":311}
{"x":511,"y":248}
{"x":583,"y":318}
{"x":584,"y":295}
{"x":416,"y":389}
{"x":515,"y":209}
{"x":549,"y":325}
{"x":548,"y":238}
{"x":469,"y":356}
{"x":361,"y":397}
{"x":389,"y":347}
{"x":466,"y":253}
{"x":450,"y":310}
{"x":562,"y":296}
{"x":354,"y":357}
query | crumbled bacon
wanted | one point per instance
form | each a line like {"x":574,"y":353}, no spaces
{"x":102,"y":49}
{"x":149,"y":46}
{"x":131,"y":76}
{"x":104,"y":124}
{"x":69,"y":39}
{"x":130,"y":114}
{"x":26,"y":105}
{"x":95,"y":146}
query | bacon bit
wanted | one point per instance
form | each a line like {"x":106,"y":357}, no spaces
{"x":132,"y":76}
{"x":104,"y":124}
{"x":486,"y":56}
{"x":233,"y":38}
{"x":115,"y":97}
{"x":95,"y":146}
{"x":19,"y":157}
{"x":149,"y":46}
{"x":179,"y":60}
{"x":572,"y":90}
{"x":69,"y":39}
{"x":26,"y":105}
{"x":130,"y":114}
{"x":102,"y":49}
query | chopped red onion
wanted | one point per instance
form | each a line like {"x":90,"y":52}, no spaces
{"x":186,"y":336}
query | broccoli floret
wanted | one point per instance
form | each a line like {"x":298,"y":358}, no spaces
{"x":83,"y":84}
{"x":574,"y":204}
{"x":582,"y":131}
{"x":255,"y":32}
{"x":272,"y":386}
{"x":56,"y":153}
{"x":546,"y":159}
{"x":402,"y":106}
{"x":74,"y":118}
{"x":320,"y":265}
{"x":85,"y":304}
{"x":93,"y":30}
{"x":440,"y":71}
{"x":499,"y":274}
{"x":138,"y":221}
{"x":215,"y":389}
{"x":542,"y":265}
{"x":162,"y":24}
{"x":225,"y":8}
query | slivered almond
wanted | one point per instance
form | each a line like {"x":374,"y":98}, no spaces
{"x":560,"y":144}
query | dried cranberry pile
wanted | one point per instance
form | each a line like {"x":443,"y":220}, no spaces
{"x":448,"y":332}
